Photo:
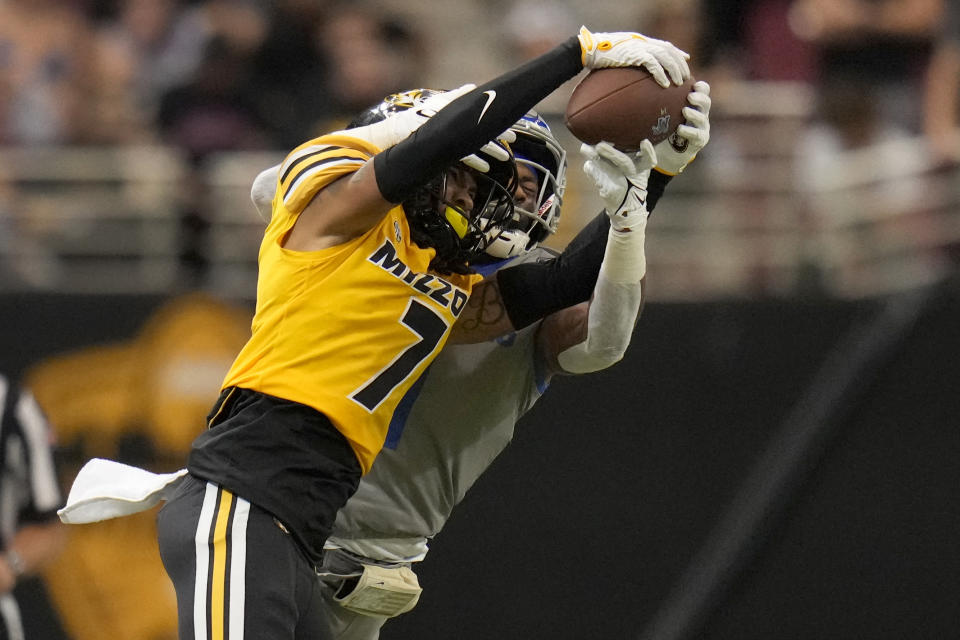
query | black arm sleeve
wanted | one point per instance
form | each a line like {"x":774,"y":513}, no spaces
{"x":656,"y":185}
{"x":534,"y":290}
{"x":472,"y":120}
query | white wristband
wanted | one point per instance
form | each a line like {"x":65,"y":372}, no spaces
{"x":625,"y":260}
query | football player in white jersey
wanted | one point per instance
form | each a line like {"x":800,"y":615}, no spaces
{"x":441,"y":440}
{"x":344,"y":279}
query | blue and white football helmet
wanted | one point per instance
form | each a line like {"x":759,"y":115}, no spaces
{"x":539,"y":150}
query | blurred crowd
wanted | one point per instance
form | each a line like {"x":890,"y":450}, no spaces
{"x":877,"y":68}
{"x":809,"y":97}
{"x":203,"y":75}
{"x":239,"y":74}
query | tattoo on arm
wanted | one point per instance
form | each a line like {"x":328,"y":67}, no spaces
{"x":485,"y":316}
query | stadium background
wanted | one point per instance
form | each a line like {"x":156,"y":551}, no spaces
{"x":774,"y":458}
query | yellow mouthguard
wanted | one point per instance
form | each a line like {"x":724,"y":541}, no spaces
{"x":457,"y":221}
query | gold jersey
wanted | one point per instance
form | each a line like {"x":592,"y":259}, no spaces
{"x":348,"y":329}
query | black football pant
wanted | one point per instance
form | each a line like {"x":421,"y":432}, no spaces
{"x":238,"y":575}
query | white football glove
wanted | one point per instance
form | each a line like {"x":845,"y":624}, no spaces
{"x":621,"y":181}
{"x":628,"y":49}
{"x":679,"y":150}
{"x":399,"y":126}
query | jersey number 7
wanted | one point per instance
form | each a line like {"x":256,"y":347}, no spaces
{"x":430,"y":327}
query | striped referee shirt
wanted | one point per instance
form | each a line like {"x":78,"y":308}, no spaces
{"x":29,"y":490}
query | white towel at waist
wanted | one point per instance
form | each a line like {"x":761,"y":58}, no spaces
{"x":105,"y":489}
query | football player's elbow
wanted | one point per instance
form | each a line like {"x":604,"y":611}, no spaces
{"x":263,"y":190}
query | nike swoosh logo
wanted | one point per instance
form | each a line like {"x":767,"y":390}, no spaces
{"x":491,"y":96}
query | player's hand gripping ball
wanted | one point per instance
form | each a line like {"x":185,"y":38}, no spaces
{"x":625,"y":106}
{"x":679,"y":150}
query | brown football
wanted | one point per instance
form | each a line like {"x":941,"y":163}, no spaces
{"x":624,"y":106}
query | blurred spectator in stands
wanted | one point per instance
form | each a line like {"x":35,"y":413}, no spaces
{"x":148,"y":48}
{"x":25,"y":262}
{"x":216,"y":110}
{"x":291,"y":94}
{"x":323,"y":62}
{"x":678,"y":21}
{"x":884,"y":45}
{"x":242,"y":23}
{"x":12,"y":276}
{"x":144,"y":49}
{"x":864,"y":190}
{"x":752,"y":40}
{"x":533,"y":27}
{"x":845,"y":120}
{"x":942,"y":96}
{"x":45,"y":79}
{"x":30,"y":531}
{"x":369,"y":54}
{"x":854,"y":164}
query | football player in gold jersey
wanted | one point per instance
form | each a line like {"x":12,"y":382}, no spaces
{"x":364,"y":271}
{"x":442,"y":440}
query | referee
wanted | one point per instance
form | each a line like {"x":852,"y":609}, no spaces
{"x":30,"y":531}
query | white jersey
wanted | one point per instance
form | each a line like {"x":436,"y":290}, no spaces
{"x":463,"y":414}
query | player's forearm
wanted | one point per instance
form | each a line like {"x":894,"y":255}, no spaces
{"x":616,"y":303}
{"x":470,"y":121}
{"x":610,"y":322}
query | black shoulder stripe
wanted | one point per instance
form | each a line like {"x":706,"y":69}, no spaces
{"x":299,"y":160}
{"x":314,"y":165}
